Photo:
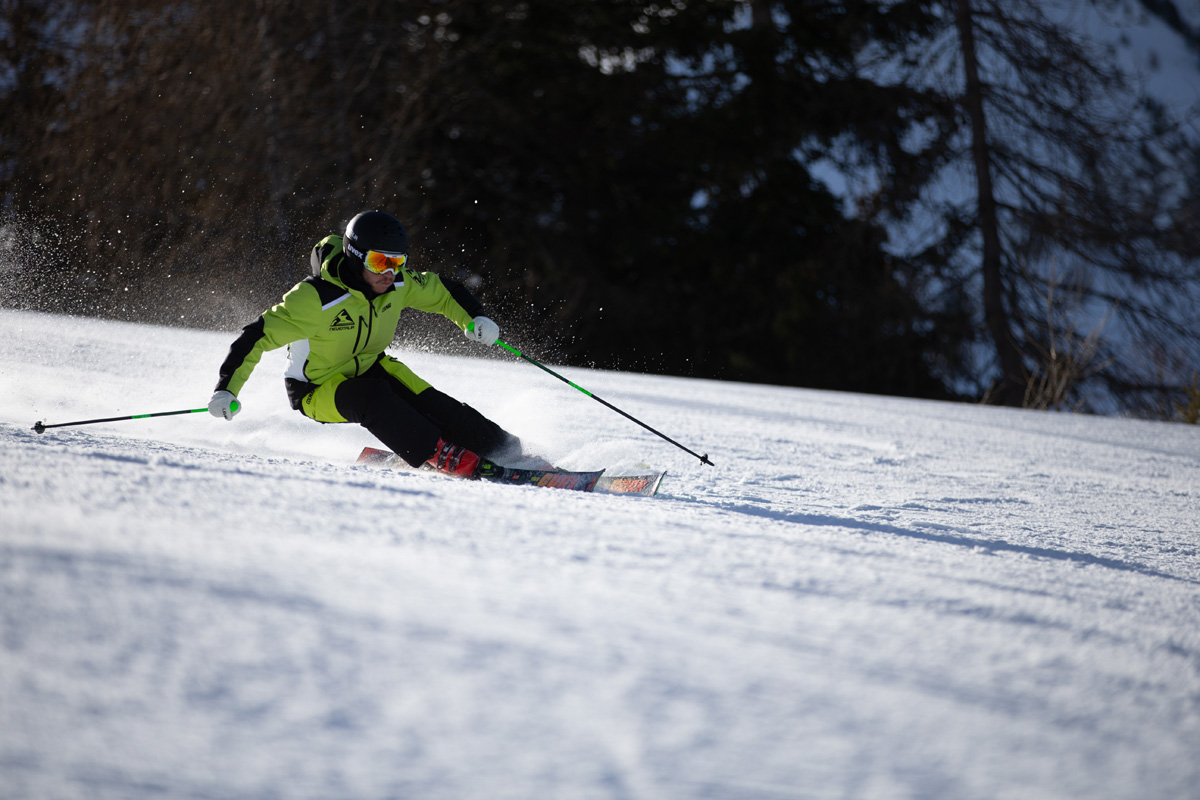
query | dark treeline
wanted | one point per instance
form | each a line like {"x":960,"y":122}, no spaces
{"x":626,"y":184}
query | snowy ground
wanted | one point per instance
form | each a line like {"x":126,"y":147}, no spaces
{"x":866,"y":598}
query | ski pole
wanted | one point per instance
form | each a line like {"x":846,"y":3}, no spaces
{"x":516,"y":352}
{"x":41,"y":427}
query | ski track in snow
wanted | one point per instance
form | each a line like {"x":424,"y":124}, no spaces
{"x":867,"y":597}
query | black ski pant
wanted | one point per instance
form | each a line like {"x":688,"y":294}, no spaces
{"x":410,"y":424}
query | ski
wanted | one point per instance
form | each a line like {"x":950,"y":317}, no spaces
{"x":641,"y":483}
{"x":551,"y":478}
{"x":645,"y":484}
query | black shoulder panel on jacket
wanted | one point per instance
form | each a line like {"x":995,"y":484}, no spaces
{"x":464,"y":297}
{"x":328,"y":292}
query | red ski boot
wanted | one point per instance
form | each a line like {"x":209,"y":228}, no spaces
{"x":455,"y":460}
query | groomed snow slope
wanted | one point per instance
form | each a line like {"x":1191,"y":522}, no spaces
{"x":867,"y":597}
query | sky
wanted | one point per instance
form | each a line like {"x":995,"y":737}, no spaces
{"x":864,"y":597}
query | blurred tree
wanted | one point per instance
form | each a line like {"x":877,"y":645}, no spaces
{"x":651,"y":166}
{"x":640,"y":175}
{"x":1074,"y":235}
{"x":34,"y":67}
{"x":195,"y":151}
{"x":661,"y":180}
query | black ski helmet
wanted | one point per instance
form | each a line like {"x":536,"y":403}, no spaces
{"x":374,"y":230}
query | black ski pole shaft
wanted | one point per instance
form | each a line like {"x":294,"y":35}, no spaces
{"x":41,"y":427}
{"x":602,"y":401}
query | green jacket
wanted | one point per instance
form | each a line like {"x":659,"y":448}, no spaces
{"x":334,"y":325}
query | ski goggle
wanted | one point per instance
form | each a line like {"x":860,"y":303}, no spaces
{"x":380,"y":262}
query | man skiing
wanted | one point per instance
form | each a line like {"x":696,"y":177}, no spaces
{"x":336,"y":326}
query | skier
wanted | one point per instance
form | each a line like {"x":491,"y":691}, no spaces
{"x":337,"y":325}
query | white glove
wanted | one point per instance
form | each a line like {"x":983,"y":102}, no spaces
{"x":224,"y":404}
{"x":482,"y":330}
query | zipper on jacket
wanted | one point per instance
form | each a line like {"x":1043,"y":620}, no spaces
{"x":359,"y":337}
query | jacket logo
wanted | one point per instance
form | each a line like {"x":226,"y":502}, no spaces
{"x":342,"y":322}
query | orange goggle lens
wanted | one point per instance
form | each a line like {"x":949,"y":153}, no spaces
{"x":380,"y":263}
